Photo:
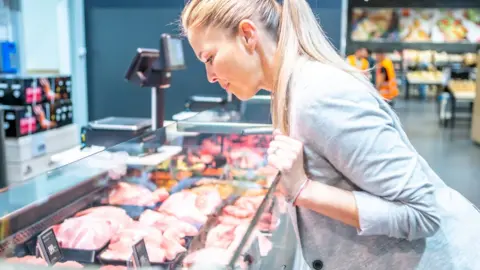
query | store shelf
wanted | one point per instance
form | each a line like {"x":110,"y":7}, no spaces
{"x":397,"y":46}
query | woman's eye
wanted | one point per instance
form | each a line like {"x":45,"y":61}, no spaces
{"x":209,"y":60}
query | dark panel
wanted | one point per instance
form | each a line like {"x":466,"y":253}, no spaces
{"x":330,"y":20}
{"x":113,"y":34}
{"x":325,"y":3}
{"x":115,"y":28}
{"x":135,"y":3}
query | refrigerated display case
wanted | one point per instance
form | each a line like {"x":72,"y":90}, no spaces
{"x":191,"y":197}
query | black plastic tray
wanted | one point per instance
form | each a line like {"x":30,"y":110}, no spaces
{"x":82,"y":256}
{"x":170,"y":265}
{"x":166,"y":265}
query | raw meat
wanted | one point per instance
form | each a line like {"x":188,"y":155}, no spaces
{"x":116,"y":217}
{"x":86,"y":233}
{"x":208,"y":200}
{"x":160,"y":247}
{"x":120,"y":247}
{"x":221,"y":236}
{"x":183,"y":206}
{"x":237,"y":212}
{"x":163,"y":222}
{"x":172,"y":247}
{"x":243,"y":211}
{"x":113,"y":267}
{"x":131,"y":194}
{"x":211,"y":258}
{"x":39,"y":261}
{"x":92,"y":228}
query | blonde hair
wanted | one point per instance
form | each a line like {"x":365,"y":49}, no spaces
{"x":292,"y":24}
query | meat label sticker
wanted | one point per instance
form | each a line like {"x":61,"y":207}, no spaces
{"x":140,"y":255}
{"x":49,"y":248}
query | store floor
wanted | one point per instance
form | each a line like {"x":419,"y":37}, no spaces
{"x":451,"y":153}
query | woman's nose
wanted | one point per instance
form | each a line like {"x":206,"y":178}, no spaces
{"x":212,"y":78}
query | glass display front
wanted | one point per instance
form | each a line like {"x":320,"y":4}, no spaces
{"x":190,"y":196}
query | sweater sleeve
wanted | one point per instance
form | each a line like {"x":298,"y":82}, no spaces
{"x":359,"y":139}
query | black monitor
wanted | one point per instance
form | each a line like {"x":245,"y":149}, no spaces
{"x":172,"y":48}
{"x":152,"y":67}
{"x":139,"y":69}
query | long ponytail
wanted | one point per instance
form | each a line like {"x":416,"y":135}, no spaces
{"x":300,"y":35}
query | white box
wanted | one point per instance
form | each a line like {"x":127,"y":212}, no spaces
{"x":40,"y":144}
{"x":21,"y":171}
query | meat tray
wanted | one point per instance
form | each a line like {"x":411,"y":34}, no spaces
{"x":83,"y":256}
{"x":77,"y":255}
{"x":170,"y":265}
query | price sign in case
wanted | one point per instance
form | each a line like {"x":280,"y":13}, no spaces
{"x":48,"y":247}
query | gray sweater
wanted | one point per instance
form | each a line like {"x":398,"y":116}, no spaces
{"x":409,"y":218}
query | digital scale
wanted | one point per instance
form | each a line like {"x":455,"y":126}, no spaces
{"x":149,"y":68}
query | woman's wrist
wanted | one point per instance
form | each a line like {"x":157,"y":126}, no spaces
{"x":300,"y":195}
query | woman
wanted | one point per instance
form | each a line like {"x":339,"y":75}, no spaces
{"x":362,"y":197}
{"x":386,"y":79}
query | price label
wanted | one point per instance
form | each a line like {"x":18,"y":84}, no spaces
{"x":140,"y":255}
{"x":49,"y":248}
{"x":39,"y":147}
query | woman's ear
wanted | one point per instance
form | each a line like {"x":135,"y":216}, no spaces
{"x":249,"y":34}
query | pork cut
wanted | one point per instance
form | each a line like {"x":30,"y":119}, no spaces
{"x":113,"y":267}
{"x":183,"y":206}
{"x":208,"y":200}
{"x":120,"y":247}
{"x":132,"y":194}
{"x":32,"y":260}
{"x":160,"y":248}
{"x":92,"y":228}
{"x":164,"y":221}
{"x":85,"y":233}
{"x":115,"y":216}
{"x":212,"y":257}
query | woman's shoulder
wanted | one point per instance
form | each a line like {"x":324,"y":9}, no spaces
{"x":314,"y":82}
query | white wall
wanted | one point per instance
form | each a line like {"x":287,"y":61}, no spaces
{"x":40,"y":44}
{"x":63,"y":37}
{"x":50,"y":36}
{"x":78,"y":60}
{"x":5,"y":23}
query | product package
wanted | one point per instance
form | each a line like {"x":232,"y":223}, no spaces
{"x":29,"y":119}
{"x":20,"y":121}
{"x":26,"y":90}
{"x":23,"y":90}
{"x":63,"y":87}
{"x":60,"y":113}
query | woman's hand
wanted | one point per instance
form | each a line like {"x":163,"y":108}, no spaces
{"x":286,"y":155}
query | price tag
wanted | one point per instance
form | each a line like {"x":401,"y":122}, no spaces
{"x":49,"y":248}
{"x":140,"y":255}
{"x":39,"y":147}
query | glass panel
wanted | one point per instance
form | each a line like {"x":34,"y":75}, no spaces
{"x":254,"y":111}
{"x":192,"y":188}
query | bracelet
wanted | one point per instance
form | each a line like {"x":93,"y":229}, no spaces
{"x":302,"y":187}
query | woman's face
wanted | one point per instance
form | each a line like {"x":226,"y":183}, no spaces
{"x":232,"y":61}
